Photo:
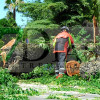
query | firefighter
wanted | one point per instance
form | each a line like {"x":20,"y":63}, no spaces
{"x":63,"y":43}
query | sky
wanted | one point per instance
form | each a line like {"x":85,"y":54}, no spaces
{"x":20,"y":19}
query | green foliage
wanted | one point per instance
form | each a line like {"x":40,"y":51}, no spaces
{"x":94,"y":5}
{"x":49,"y":1}
{"x":46,"y":69}
{"x":12,"y":23}
{"x":7,"y":22}
{"x":81,"y":54}
{"x":6,"y":78}
{"x":12,"y":5}
{"x":19,"y":37}
{"x":75,"y":14}
{"x":43,"y":70}
{"x":40,"y":42}
{"x":8,"y":26}
{"x":38,"y":11}
{"x":67,"y":83}
{"x":52,"y":97}
{"x":4,"y":23}
{"x":59,"y":97}
{"x":38,"y":26}
{"x":80,"y":35}
{"x":1,"y":43}
{"x":41,"y":25}
{"x":11,"y":91}
{"x":59,"y":11}
{"x":98,"y":39}
{"x":9,"y":15}
{"x":35,"y":31}
{"x":4,"y":31}
{"x":80,"y":38}
{"x":51,"y":14}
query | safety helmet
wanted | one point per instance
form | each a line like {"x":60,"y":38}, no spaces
{"x":65,"y":28}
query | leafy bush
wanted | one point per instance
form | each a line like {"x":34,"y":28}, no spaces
{"x":8,"y":26}
{"x":8,"y":22}
{"x":81,"y":43}
{"x":52,"y":97}
{"x":82,"y":54}
{"x":4,"y":23}
{"x":6,"y":78}
{"x":44,"y":70}
{"x":11,"y":91}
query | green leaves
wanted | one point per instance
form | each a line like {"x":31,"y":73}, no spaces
{"x":39,"y":11}
{"x":7,"y":23}
{"x":95,"y":8}
{"x":7,"y":1}
{"x":5,"y":77}
{"x":4,"y":31}
{"x":11,"y":5}
{"x":41,"y":25}
{"x":44,"y":70}
{"x":69,"y":12}
{"x":36,"y":27}
{"x":53,"y":13}
{"x":19,"y":37}
{"x":11,"y":91}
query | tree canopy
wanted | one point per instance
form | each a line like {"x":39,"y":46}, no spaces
{"x":58,"y":13}
{"x":61,"y":12}
{"x":11,"y":5}
{"x":8,"y":26}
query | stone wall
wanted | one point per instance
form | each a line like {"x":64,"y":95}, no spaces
{"x":27,"y":56}
{"x":90,"y":68}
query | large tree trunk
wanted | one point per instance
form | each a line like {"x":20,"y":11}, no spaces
{"x":14,"y":14}
{"x":95,"y":28}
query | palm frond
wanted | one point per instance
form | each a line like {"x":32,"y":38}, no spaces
{"x":11,"y":6}
{"x":6,"y":7}
{"x":7,"y":1}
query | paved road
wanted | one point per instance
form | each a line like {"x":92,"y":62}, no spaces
{"x":45,"y":89}
{"x":82,"y":96}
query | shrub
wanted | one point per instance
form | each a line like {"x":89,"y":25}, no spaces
{"x":8,"y":22}
{"x":46,"y":69}
{"x":11,"y":91}
{"x":6,"y":78}
{"x":52,"y":97}
{"x":80,"y":40}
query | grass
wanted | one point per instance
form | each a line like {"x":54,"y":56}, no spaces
{"x":16,"y":93}
{"x":97,"y":98}
{"x":67,"y":83}
{"x":9,"y":90}
{"x":51,"y":96}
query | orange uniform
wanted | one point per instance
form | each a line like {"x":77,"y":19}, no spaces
{"x":62,"y":42}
